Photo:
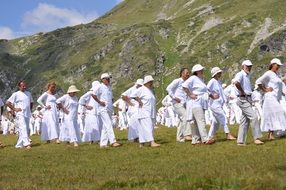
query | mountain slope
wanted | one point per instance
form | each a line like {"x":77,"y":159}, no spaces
{"x":148,"y":37}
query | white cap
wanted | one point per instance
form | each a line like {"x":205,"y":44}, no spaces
{"x":105,"y":75}
{"x":148,"y":78}
{"x":139,"y":82}
{"x":72,"y":88}
{"x":247,"y":63}
{"x":94,"y":85}
{"x":215,"y":71}
{"x":197,"y":67}
{"x":256,"y":87}
{"x":275,"y":60}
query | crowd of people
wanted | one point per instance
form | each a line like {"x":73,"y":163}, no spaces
{"x":191,"y":105}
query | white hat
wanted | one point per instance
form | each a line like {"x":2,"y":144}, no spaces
{"x":215,"y":71}
{"x":139,"y":82}
{"x":94,"y":85}
{"x":72,"y":88}
{"x":223,"y":85}
{"x":197,"y":67}
{"x":256,"y":87}
{"x":105,"y":75}
{"x":148,"y":78}
{"x":275,"y":60}
{"x":247,"y":63}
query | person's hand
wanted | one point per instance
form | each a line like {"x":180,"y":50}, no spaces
{"x":89,"y":107}
{"x":66,"y":111}
{"x":215,"y":96}
{"x":140,"y":104}
{"x":17,"y":109}
{"x":269,"y":89}
{"x":193,"y":96}
{"x":48,"y":107}
{"x":102,"y":103}
{"x":178,"y":100}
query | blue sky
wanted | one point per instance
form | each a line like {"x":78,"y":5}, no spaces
{"x":25,"y":17}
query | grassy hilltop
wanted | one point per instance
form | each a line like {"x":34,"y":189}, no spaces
{"x":153,"y":37}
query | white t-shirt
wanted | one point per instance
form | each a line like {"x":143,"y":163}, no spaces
{"x":176,"y":90}
{"x":244,"y":79}
{"x":104,"y":94}
{"x":22,"y":100}
{"x":149,"y":103}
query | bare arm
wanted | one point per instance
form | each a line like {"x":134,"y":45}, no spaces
{"x":97,"y":100}
{"x":190,"y":94}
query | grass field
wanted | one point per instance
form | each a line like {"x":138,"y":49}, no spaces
{"x":174,"y":165}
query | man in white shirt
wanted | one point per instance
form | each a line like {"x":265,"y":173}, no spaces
{"x":21,"y":103}
{"x":243,"y":85}
{"x":103,"y":96}
{"x":177,"y":93}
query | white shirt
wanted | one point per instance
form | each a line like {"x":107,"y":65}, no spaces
{"x":256,"y":96}
{"x":231,"y":93}
{"x":214,"y":86}
{"x":149,"y":103}
{"x":176,"y":90}
{"x":167,"y":101}
{"x":104,"y":94}
{"x":129,"y":91}
{"x":87,"y":99}
{"x":244,"y":79}
{"x":197,"y":86}
{"x":22,"y":100}
{"x":271,"y":79}
{"x":121,"y":104}
{"x":70,"y":103}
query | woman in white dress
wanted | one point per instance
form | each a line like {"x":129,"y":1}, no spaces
{"x":93,"y":124}
{"x":69,"y":105}
{"x":274,"y":117}
{"x":50,"y":123}
{"x":146,"y":112}
{"x":197,"y":104}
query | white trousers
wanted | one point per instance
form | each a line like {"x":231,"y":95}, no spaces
{"x":248,"y":117}
{"x":235,"y":113}
{"x":122,"y":124}
{"x":184,"y":128}
{"x":23,"y":128}
{"x":219,"y":118}
{"x":133,"y":125}
{"x":146,"y":129}
{"x":199,"y":131}
{"x":107,"y":133}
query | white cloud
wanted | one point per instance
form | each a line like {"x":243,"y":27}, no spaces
{"x":6,"y":33}
{"x":48,"y":17}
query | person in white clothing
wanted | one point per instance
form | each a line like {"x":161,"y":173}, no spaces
{"x":216,"y":103}
{"x":257,"y":99}
{"x":243,"y":85}
{"x":170,"y":115}
{"x":92,"y":129}
{"x":68,"y":103}
{"x":129,"y":97}
{"x":179,"y":98}
{"x":234,"y":111}
{"x":146,"y":112}
{"x":21,"y":103}
{"x":38,"y":116}
{"x":103,"y":96}
{"x":121,"y":106}
{"x":197,"y":103}
{"x":274,"y":116}
{"x":50,"y":123}
{"x":1,"y":113}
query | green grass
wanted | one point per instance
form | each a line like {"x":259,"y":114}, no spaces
{"x":223,"y":165}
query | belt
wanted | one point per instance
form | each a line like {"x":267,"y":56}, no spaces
{"x":244,"y":96}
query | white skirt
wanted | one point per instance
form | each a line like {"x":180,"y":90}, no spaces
{"x":274,"y":116}
{"x":92,"y":129}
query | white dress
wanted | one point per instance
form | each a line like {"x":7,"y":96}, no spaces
{"x":50,"y":123}
{"x":146,"y":114}
{"x":92,"y":129}
{"x":70,"y":129}
{"x":274,"y":116}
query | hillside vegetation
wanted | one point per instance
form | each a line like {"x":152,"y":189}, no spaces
{"x":155,"y":37}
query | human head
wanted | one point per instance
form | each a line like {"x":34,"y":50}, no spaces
{"x":72,"y":90}
{"x":52,"y":87}
{"x":275,"y":64}
{"x":22,"y":85}
{"x":246,"y":66}
{"x":197,"y":70}
{"x":105,"y":78}
{"x":139,"y":83}
{"x":94,"y":85}
{"x":148,"y":81}
{"x":184,"y":73}
{"x":216,"y":72}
